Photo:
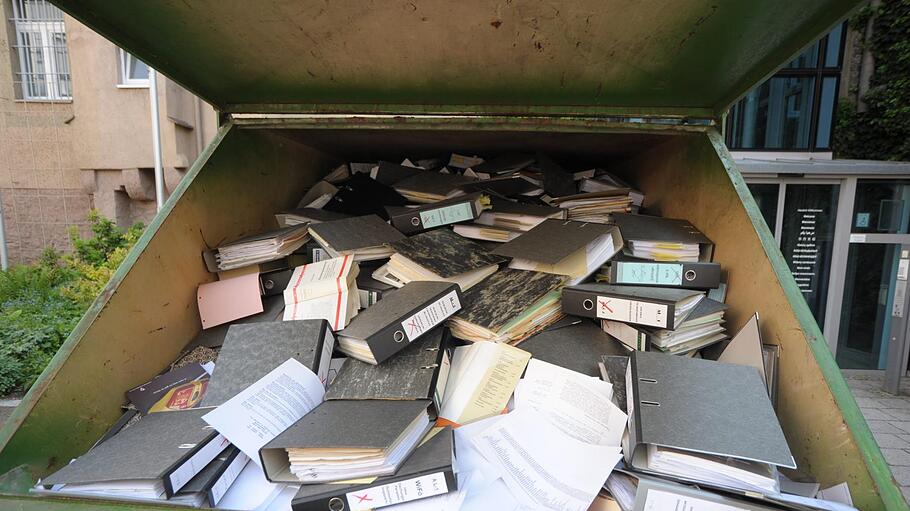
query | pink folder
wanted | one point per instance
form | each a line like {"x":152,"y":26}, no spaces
{"x":229,"y":299}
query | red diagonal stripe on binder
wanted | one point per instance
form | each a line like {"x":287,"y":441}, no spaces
{"x":606,"y":306}
{"x":363,"y":498}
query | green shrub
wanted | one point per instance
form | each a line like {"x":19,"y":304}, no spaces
{"x":42,"y":302}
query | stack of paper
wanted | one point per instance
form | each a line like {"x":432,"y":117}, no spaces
{"x":324,"y":290}
{"x":266,"y":246}
{"x":713,"y":470}
{"x":664,"y":251}
{"x":702,"y":327}
{"x":594,"y":207}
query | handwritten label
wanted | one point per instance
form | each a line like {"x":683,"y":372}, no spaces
{"x":632,"y":311}
{"x":396,"y":493}
{"x":447,"y":215}
{"x":432,"y":315}
{"x":649,"y":273}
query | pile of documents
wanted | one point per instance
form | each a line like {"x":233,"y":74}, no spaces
{"x":324,"y":289}
{"x":459,"y":333}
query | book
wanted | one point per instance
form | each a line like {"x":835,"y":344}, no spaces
{"x":389,"y":173}
{"x":663,"y":239}
{"x":439,"y":255}
{"x":597,"y":207}
{"x":518,"y":216}
{"x":412,"y":220}
{"x":306,"y":216}
{"x":502,"y":165}
{"x":342,"y":440}
{"x":486,"y":233}
{"x":364,"y":237}
{"x":147,"y":395}
{"x":213,"y":481}
{"x":262,"y":247}
{"x":253,"y":350}
{"x":151,"y":459}
{"x":483,"y":377}
{"x":572,"y":343}
{"x":732,"y":437}
{"x":702,"y":327}
{"x":649,"y":306}
{"x":428,"y":472}
{"x":625,"y":270}
{"x":563,"y":247}
{"x":420,"y":371}
{"x":399,"y":319}
{"x":509,"y":306}
{"x":324,"y":290}
{"x":606,"y":182}
{"x":362,"y":195}
{"x":429,"y":187}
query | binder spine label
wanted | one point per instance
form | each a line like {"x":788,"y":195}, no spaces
{"x":432,"y":315}
{"x":649,"y":273}
{"x":227,"y":478}
{"x":395,"y":493}
{"x":446,"y":215}
{"x":632,"y":311}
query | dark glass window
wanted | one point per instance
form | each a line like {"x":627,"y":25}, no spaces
{"x":794,"y":109}
{"x":765,"y":196}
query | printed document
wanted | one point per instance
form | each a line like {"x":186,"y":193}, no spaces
{"x":541,"y":465}
{"x":266,"y":408}
{"x":577,"y":404}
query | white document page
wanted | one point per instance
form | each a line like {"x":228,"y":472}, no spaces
{"x":577,"y":404}
{"x":482,"y":379}
{"x":659,"y":500}
{"x":266,"y":408}
{"x":250,"y":490}
{"x":542,"y":466}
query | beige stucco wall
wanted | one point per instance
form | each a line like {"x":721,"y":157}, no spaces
{"x":60,"y":159}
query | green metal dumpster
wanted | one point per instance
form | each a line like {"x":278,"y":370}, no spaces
{"x":303,"y":85}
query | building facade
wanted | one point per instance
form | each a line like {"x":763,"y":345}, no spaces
{"x":76,"y":130}
{"x":842,"y":225}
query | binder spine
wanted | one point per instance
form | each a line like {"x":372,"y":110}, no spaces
{"x":422,"y":486}
{"x":665,"y":274}
{"x":402,"y":331}
{"x":425,"y":218}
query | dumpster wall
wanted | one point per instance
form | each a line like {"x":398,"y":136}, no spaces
{"x":148,"y":312}
{"x":827,"y":434}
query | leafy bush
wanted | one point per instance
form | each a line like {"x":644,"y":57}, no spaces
{"x":882,"y":131}
{"x":41,"y":303}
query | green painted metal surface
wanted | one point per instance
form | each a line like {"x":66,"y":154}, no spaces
{"x":683,"y":56}
{"x":888,"y":489}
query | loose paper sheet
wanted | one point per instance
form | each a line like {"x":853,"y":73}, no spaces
{"x":542,"y":466}
{"x":579,"y":405}
{"x":266,"y":408}
{"x":483,"y":377}
{"x":250,"y":490}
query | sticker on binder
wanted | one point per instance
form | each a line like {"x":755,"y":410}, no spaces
{"x":631,"y":311}
{"x":446,"y":215}
{"x":432,"y":315}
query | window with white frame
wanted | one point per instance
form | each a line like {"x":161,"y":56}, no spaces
{"x":133,"y":72}
{"x":41,"y":67}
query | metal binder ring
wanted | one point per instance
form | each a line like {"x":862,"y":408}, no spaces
{"x":268,"y":284}
{"x":690,"y":275}
{"x":588,"y":304}
{"x":398,"y":336}
{"x":415,"y":221}
{"x":336,"y":504}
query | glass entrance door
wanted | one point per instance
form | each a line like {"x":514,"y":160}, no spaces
{"x":879,"y":226}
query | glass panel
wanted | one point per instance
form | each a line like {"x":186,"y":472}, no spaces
{"x":775,"y":115}
{"x":808,"y":58}
{"x":807,"y":238}
{"x":766,"y":197}
{"x":825,"y":113}
{"x":865,"y":322}
{"x":832,"y":52}
{"x":882,"y":207}
{"x":138,"y":69}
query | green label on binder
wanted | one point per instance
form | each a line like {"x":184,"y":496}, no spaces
{"x":446,"y":215}
{"x":661,"y":274}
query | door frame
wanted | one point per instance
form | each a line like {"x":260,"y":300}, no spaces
{"x":843,"y":224}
